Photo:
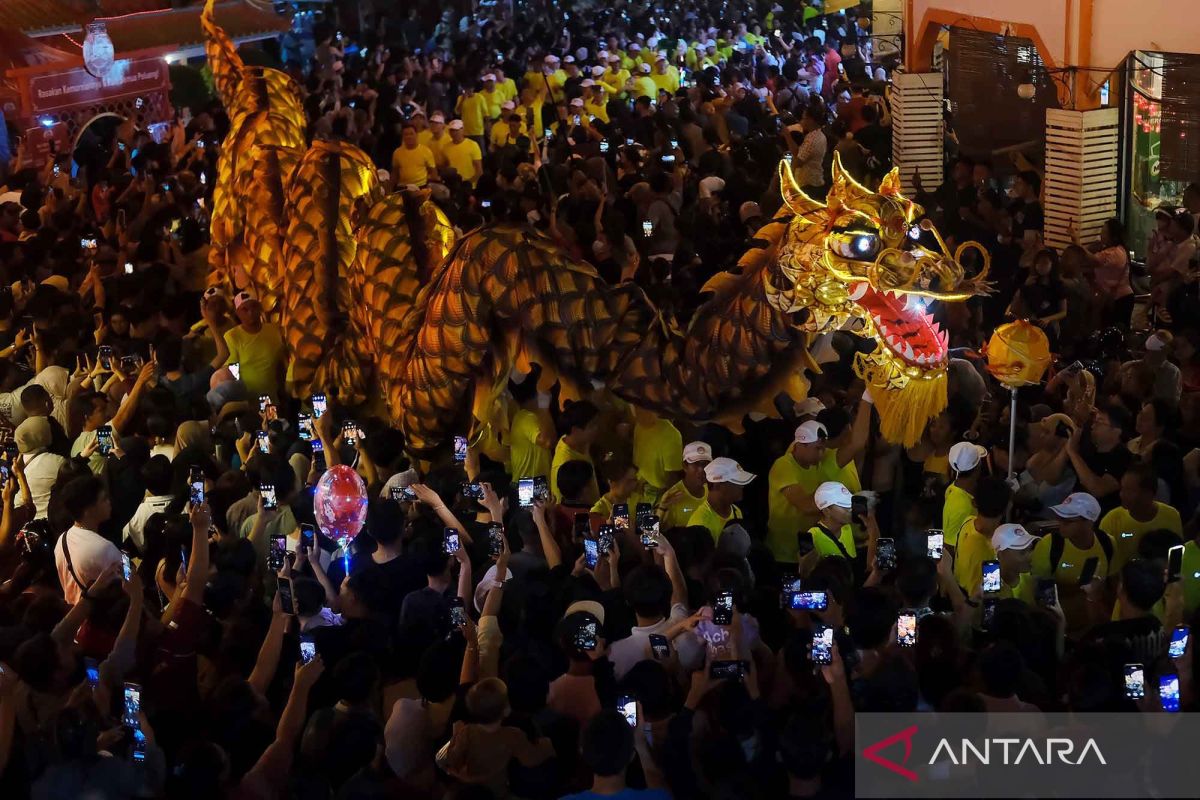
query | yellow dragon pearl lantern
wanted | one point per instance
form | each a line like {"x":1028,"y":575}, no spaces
{"x":1018,"y":354}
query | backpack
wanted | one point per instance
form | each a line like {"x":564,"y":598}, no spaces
{"x":1058,"y":544}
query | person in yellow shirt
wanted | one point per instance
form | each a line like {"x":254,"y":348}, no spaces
{"x":594,"y":101}
{"x":531,"y":110}
{"x":833,"y":534}
{"x":975,"y":540}
{"x":472,"y":108}
{"x":435,"y":136}
{"x":256,"y":345}
{"x":412,"y":162}
{"x":796,"y":474}
{"x":665,"y":76}
{"x":966,"y":460}
{"x":1064,"y":555}
{"x":614,"y":79}
{"x":725,"y":479}
{"x":531,"y":431}
{"x":679,"y":502}
{"x":463,"y":154}
{"x":581,"y":424}
{"x":657,"y":453}
{"x":1138,"y":514}
{"x":554,"y":77}
{"x":506,"y":86}
{"x":623,"y":483}
{"x":508,"y":129}
{"x":631,"y":57}
{"x":492,"y":99}
{"x":1013,"y":548}
{"x":643,"y":84}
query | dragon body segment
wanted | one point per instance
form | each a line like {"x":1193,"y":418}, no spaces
{"x":378,"y":299}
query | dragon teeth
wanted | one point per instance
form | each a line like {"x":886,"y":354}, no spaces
{"x":908,"y":352}
{"x":858,"y":292}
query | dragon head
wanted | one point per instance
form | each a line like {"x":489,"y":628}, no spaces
{"x":860,"y":261}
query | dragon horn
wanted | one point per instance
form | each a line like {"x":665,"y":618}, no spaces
{"x":890,"y":185}
{"x":793,"y":196}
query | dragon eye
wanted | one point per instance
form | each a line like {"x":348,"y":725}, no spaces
{"x":857,"y":245}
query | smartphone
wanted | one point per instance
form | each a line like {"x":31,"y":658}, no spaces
{"x":264,"y":442}
{"x":270,"y":501}
{"x":525,"y":492}
{"x":450,"y":543}
{"x":660,"y":646}
{"x":648,"y":531}
{"x":991,"y":577}
{"x":495,"y":539}
{"x":196,"y":486}
{"x":88,"y":243}
{"x":604,"y":539}
{"x":286,"y":601}
{"x":460,"y":449}
{"x":1089,"y":571}
{"x":128,"y":267}
{"x":585,"y":637}
{"x":308,"y":648}
{"x":787,"y":589}
{"x":647,"y":227}
{"x":235,"y":369}
{"x":731,"y":670}
{"x":858,"y":508}
{"x":1168,"y":692}
{"x":582,"y":526}
{"x":1135,"y":681}
{"x":591,"y":553}
{"x":810,"y":601}
{"x":458,"y":614}
{"x":668,"y":158}
{"x":106,"y":356}
{"x":627,"y":705}
{"x":304,"y":426}
{"x":906,"y":629}
{"x":1174,"y":563}
{"x":1179,"y":641}
{"x":92,"y":668}
{"x":139,"y":746}
{"x":822,"y":645}
{"x":5,"y":474}
{"x":57,"y":170}
{"x":138,"y":103}
{"x":264,"y":400}
{"x":318,"y":453}
{"x":989,"y":614}
{"x":472,"y":491}
{"x":132,"y":706}
{"x":319,"y":405}
{"x":723,"y":609}
{"x":1047,"y":593}
{"x":350,"y":433}
{"x":308,"y":537}
{"x":126,"y":566}
{"x":183,"y":559}
{"x":541,"y":488}
{"x":105,"y":438}
{"x":885,"y":554}
{"x":485,"y":203}
{"x":620,"y":516}
{"x":934,"y":544}
{"x":277,"y":552}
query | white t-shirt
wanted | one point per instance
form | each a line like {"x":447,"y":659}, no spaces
{"x":91,"y":554}
{"x":629,"y":651}
{"x":136,"y":527}
{"x":41,"y":472}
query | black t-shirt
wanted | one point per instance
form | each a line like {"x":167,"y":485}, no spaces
{"x":1132,"y":641}
{"x":1042,"y":299}
{"x":1026,"y":216}
{"x":1114,"y":463}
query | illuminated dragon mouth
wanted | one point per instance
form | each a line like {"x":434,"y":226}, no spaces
{"x":904,"y":325}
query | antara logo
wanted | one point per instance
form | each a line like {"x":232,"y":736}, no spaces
{"x":1001,"y":752}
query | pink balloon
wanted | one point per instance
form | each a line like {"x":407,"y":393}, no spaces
{"x":340,"y":504}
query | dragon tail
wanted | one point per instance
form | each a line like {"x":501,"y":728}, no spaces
{"x":325,"y":194}
{"x":262,"y":188}
{"x":223,"y":58}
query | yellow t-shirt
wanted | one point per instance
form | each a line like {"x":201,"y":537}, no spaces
{"x":412,"y":165}
{"x":435,"y":145}
{"x":534,"y":108}
{"x":677,"y":514}
{"x":507,"y":89}
{"x":1025,"y":590}
{"x":261,"y":356}
{"x":562,"y":454}
{"x":657,"y":451}
{"x":462,"y":158}
{"x":784,"y":520}
{"x":1190,"y":578}
{"x":1126,"y":532}
{"x":706,"y":517}
{"x":493,"y":101}
{"x":614,"y":81}
{"x":825,"y":545}
{"x":668,"y":81}
{"x":502,"y":135}
{"x":597,"y":110}
{"x":529,"y":459}
{"x":959,"y":505}
{"x":973,"y":549}
{"x":1070,"y":566}
{"x":644,"y":86}
{"x":472,"y":109}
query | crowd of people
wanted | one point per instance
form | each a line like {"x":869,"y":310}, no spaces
{"x":591,"y":600}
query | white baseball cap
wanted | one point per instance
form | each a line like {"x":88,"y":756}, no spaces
{"x":1155,"y":343}
{"x":489,"y":77}
{"x":965,"y":456}
{"x":569,"y":60}
{"x":726,"y":470}
{"x":1012,"y":537}
{"x":644,"y":67}
{"x":587,"y":83}
{"x":832,"y":493}
{"x":602,"y":55}
{"x":614,"y":58}
{"x":695,"y":452}
{"x":597,"y":70}
{"x":243,"y":297}
{"x":809,"y":407}
{"x":552,"y":58}
{"x":437,"y":117}
{"x":811,"y":432}
{"x":508,"y":105}
{"x":577,"y":102}
{"x":1079,"y":505}
{"x":455,"y":125}
{"x":634,"y":47}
